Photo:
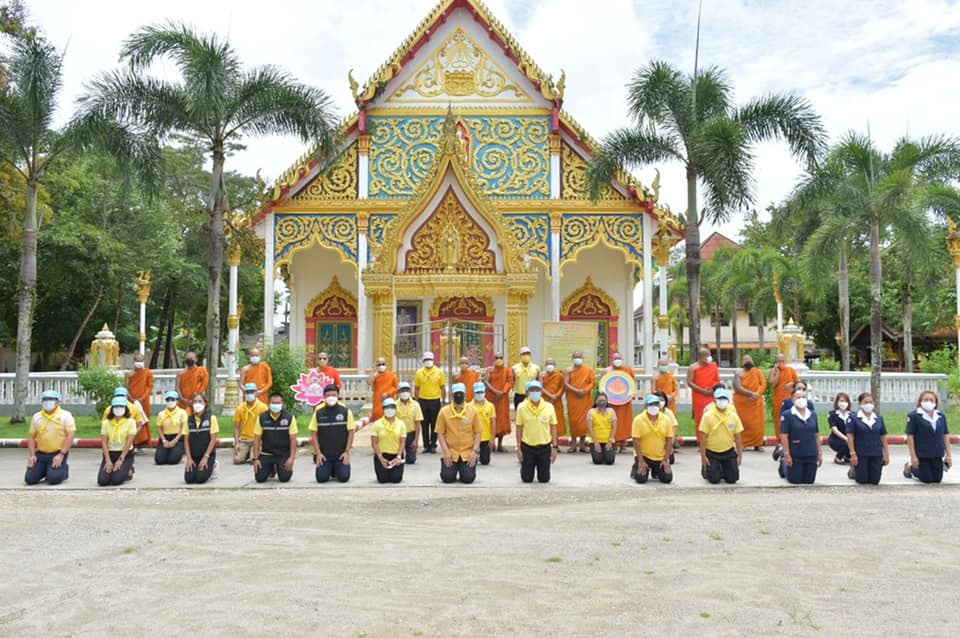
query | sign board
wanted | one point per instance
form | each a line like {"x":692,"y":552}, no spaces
{"x":562,"y":338}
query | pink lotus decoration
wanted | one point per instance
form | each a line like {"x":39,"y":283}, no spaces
{"x":310,"y":388}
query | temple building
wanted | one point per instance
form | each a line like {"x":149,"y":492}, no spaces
{"x":455,"y":216}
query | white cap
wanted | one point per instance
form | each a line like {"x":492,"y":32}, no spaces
{"x":427,"y":355}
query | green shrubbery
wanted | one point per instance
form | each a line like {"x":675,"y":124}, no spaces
{"x":99,"y":383}
{"x":287,"y":365}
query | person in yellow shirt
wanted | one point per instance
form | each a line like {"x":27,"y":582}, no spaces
{"x":136,"y":413}
{"x":721,"y":446}
{"x":430,"y":390}
{"x":458,"y":432}
{"x":201,"y":441}
{"x":488,"y":420}
{"x":667,"y":410}
{"x":652,"y":438}
{"x":408,"y":411}
{"x":116,"y":440}
{"x":52,"y":430}
{"x":387,"y":437}
{"x":245,"y":421}
{"x":536,"y":423}
{"x":275,"y":442}
{"x":171,"y":430}
{"x":602,"y":423}
{"x":331,"y":434}
{"x":523,"y":373}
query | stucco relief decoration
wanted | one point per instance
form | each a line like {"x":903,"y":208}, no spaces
{"x":450,"y":240}
{"x":338,"y":182}
{"x":622,"y":231}
{"x":295,"y":232}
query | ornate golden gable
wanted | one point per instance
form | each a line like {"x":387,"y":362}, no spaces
{"x":573,"y":178}
{"x":448,"y":240}
{"x":583,"y":302}
{"x":335,"y":301}
{"x":473,"y":306}
{"x":337,"y":182}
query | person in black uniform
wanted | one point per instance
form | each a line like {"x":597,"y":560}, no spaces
{"x":201,"y":435}
{"x":331,"y":434}
{"x":274,"y":442}
{"x":839,"y":420}
{"x":929,"y":440}
{"x":800,"y":438}
{"x":867,"y":434}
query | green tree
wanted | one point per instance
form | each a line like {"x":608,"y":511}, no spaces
{"x":692,"y":119}
{"x":215,"y":100}
{"x":751,"y":274}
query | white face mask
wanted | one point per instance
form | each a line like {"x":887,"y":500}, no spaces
{"x":709,"y":359}
{"x":251,"y":397}
{"x":332,"y":400}
{"x":664,"y":368}
{"x":867,"y":408}
{"x":618,"y":362}
{"x":428,"y":363}
{"x":390,"y":412}
{"x":929,"y":406}
{"x":138,"y":364}
{"x":405,"y":396}
{"x":381,"y":367}
{"x":199,"y":407}
{"x":578,"y":361}
{"x":480,"y":398}
{"x":801,"y":403}
{"x":276,"y":408}
{"x":118,"y":411}
{"x":842,"y":405}
{"x":653,"y":410}
{"x":49,"y":406}
{"x":550,"y":367}
{"x":254,"y":360}
{"x":722,"y":404}
{"x":171,"y":405}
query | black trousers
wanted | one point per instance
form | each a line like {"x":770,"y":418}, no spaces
{"x":654,"y":468}
{"x":868,"y":470}
{"x":117,"y":476}
{"x":484,"y":452}
{"x":330,"y":468}
{"x":606,"y":456}
{"x":449,"y":474}
{"x":388,"y":475}
{"x":168,"y":456}
{"x":411,"y":457}
{"x":518,"y":399}
{"x":430,"y":409}
{"x":43,"y":469}
{"x":268,"y":463}
{"x":723,"y":466}
{"x":535,"y":457}
{"x":198,"y":476}
{"x":930,"y":470}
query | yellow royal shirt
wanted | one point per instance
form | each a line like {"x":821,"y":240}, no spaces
{"x":487,"y":413}
{"x":524,"y":374}
{"x":428,"y":382}
{"x":460,"y":429}
{"x":247,"y":417}
{"x":51,"y":430}
{"x":410,"y":413}
{"x":389,"y":435}
{"x":602,"y":423}
{"x":118,"y":430}
{"x":536,"y":421}
{"x":172,"y":421}
{"x":720,"y":428}
{"x":652,"y":436}
{"x":136,"y":413}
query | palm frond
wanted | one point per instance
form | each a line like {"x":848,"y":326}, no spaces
{"x":651,"y":89}
{"x":629,"y":147}
{"x":714,"y":94}
{"x":724,"y":162}
{"x":130,"y":96}
{"x":789,"y":118}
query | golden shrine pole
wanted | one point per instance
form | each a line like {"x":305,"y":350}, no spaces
{"x":143,"y":293}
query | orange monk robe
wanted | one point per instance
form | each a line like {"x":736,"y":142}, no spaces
{"x":582,"y":378}
{"x":624,"y":412}
{"x":140,"y":386}
{"x":553,"y":383}
{"x":502,"y":379}
{"x":387,"y":383}
{"x":468,"y":378}
{"x":706,"y":377}
{"x":192,"y":382}
{"x":752,"y":413}
{"x":332,"y":373}
{"x":667,"y":383}
{"x":262,"y":375}
{"x":787,"y":375}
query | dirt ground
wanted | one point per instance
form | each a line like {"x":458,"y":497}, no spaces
{"x":521,"y":561}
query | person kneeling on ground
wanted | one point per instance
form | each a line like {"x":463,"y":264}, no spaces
{"x":51,"y":434}
{"x":652,"y":439}
{"x":800,"y":440}
{"x":201,"y":445}
{"x":867,"y":436}
{"x":488,"y":420}
{"x":601,"y":424}
{"x":171,"y":428}
{"x":331,"y":434}
{"x":537,"y":433}
{"x":245,"y":420}
{"x":408,"y":411}
{"x":458,"y":432}
{"x":275,"y":442}
{"x":721,"y":446}
{"x":928,"y":438}
{"x":388,"y":437}
{"x":116,"y":438}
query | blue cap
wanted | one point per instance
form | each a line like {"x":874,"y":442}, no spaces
{"x":172,"y":394}
{"x":479,"y":386}
{"x":250,"y":387}
{"x":121,"y":392}
{"x":389,"y":402}
{"x":50,"y":394}
{"x":652,"y":399}
{"x":721,"y":393}
{"x":404,"y":385}
{"x":534,"y":385}
{"x":119,"y":402}
{"x":458,"y":387}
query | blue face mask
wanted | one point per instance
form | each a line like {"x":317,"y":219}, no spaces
{"x":534,"y":396}
{"x":49,"y":406}
{"x":276,"y":407}
{"x":251,"y":397}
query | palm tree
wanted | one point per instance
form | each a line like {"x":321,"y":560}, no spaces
{"x":29,"y":145}
{"x":677,"y":297}
{"x":692,"y":119}
{"x":215,"y":100}
{"x":887,"y":192}
{"x":750,"y":280}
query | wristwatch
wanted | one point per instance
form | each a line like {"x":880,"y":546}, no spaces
{"x":476,"y":450}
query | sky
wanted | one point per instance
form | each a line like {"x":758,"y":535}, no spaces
{"x":888,"y":65}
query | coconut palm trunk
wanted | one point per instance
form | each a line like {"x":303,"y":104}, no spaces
{"x":215,"y":269}
{"x":28,"y":296}
{"x":876,"y":311}
{"x":692,"y":246}
{"x":907,"y":327}
{"x":844,"y":303}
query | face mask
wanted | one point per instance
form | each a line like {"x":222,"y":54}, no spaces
{"x":251,"y":397}
{"x":480,"y":398}
{"x":254,"y":360}
{"x":578,"y":361}
{"x":118,"y":411}
{"x":390,"y":412}
{"x":190,"y":363}
{"x":842,"y":405}
{"x":709,"y":359}
{"x":458,"y":397}
{"x":498,"y":361}
{"x":405,"y":396}
{"x":49,"y":406}
{"x":867,"y":408}
{"x":722,"y":404}
{"x":171,"y":405}
{"x":276,"y":408}
{"x":534,"y":396}
{"x":550,"y":367}
{"x":138,"y":364}
{"x":525,"y":358}
{"x":929,"y":406}
{"x":198,"y":407}
{"x":618,"y":362}
{"x":801,"y":403}
{"x":381,"y":367}
{"x":428,"y":363}
{"x":748,"y":366}
{"x":664,"y":368}
{"x":653,"y":410}
{"x":601,"y":404}
{"x":332,"y":401}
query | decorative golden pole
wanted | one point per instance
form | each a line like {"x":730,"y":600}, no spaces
{"x":143,"y":293}
{"x":231,"y":396}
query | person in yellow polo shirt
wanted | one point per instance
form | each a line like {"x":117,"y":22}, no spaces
{"x":409,"y":411}
{"x":116,"y":440}
{"x":488,"y":420}
{"x":51,"y":434}
{"x":523,"y":373}
{"x":721,"y":446}
{"x":171,"y":430}
{"x":536,"y":423}
{"x":136,"y":413}
{"x":430,"y":390}
{"x":245,"y":421}
{"x":652,"y":438}
{"x":602,"y":423}
{"x":458,"y":431}
{"x":387,"y":437}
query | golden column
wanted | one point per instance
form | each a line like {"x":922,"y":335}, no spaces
{"x":231,"y":397}
{"x":143,"y":293}
{"x":517,"y":302}
{"x":379,"y":287}
{"x":953,"y":245}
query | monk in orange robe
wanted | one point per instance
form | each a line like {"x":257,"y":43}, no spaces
{"x":140,"y":386}
{"x":665,"y":382}
{"x":782,"y":378}
{"x":748,"y":387}
{"x":323,"y":367}
{"x":624,"y":412}
{"x":552,"y":381}
{"x":701,"y":377}
{"x":384,"y":384}
{"x":579,"y":382}
{"x":191,"y":381}
{"x":468,"y":377}
{"x":258,"y":372}
{"x":499,"y":383}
